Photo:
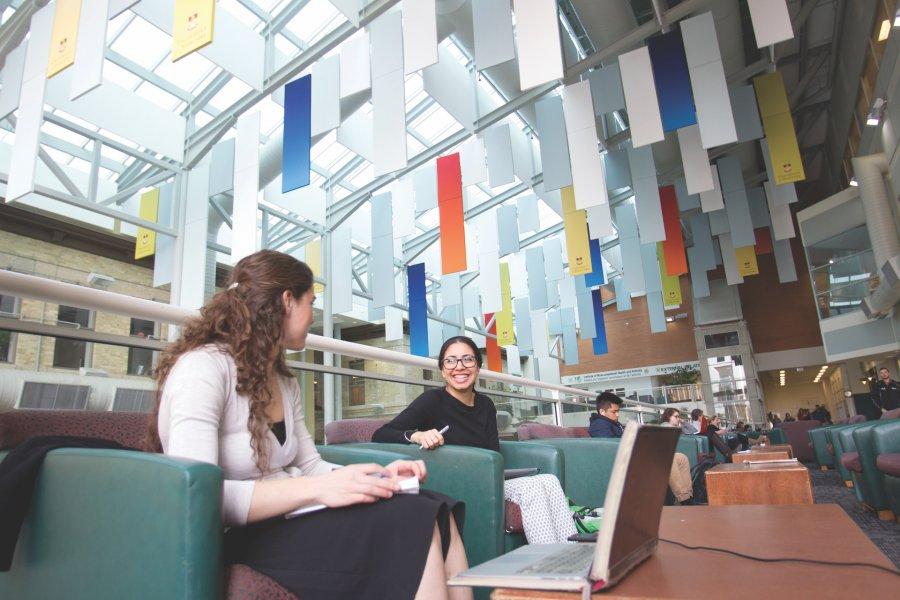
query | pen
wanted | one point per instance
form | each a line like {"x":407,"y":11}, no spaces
{"x":442,"y":432}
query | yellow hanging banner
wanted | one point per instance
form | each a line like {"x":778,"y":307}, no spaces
{"x":312,"y":254}
{"x":64,"y":36}
{"x":775,"y":111}
{"x":746,"y":260}
{"x":506,"y":336}
{"x":193,"y":26}
{"x":575,"y":225}
{"x":145,"y":242}
{"x":671,"y":284}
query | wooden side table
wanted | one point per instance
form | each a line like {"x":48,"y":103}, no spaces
{"x":743,"y":483}
{"x":818,"y":532}
{"x":739,"y":457}
{"x":774,"y":447}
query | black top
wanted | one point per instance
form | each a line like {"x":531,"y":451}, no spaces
{"x":279,"y":430}
{"x":436,"y":408}
{"x":887,"y":395}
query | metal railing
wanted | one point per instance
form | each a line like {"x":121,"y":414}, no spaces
{"x":564,"y":400}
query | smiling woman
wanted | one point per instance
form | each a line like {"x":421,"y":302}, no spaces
{"x":457,"y":414}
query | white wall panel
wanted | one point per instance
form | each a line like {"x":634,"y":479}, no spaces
{"x":193,"y":263}
{"x":425,"y":186}
{"x":771,"y":21}
{"x":388,"y":93}
{"x":349,"y":8}
{"x":782,"y":222}
{"x":746,"y":113}
{"x":729,"y":260}
{"x":640,"y":97}
{"x":326,"y":92}
{"x":498,"y":147}
{"x":588,"y":179}
{"x":13,"y":71}
{"x":606,"y":89}
{"x":488,"y":237}
{"x":712,"y":200}
{"x":230,"y":34}
{"x":341,"y":277}
{"x":356,"y":133}
{"x":420,"y":43}
{"x":307,"y":202}
{"x":630,"y":245}
{"x":472,"y":162}
{"x":31,"y":100}
{"x":599,"y":221}
{"x":164,"y":258}
{"x":554,"y":145}
{"x":113,"y":108}
{"x":699,"y":277}
{"x":553,"y":259}
{"x":646,"y":195}
{"x":784,"y":261}
{"x":403,"y":200}
{"x":522,"y":153}
{"x":451,"y":85}
{"x":537,"y":42}
{"x":246,"y":186}
{"x":90,"y":48}
{"x":393,"y":323}
{"x":381,"y":260}
{"x":489,"y":275}
{"x":527,"y":210}
{"x":493,"y":30}
{"x":356,"y":74}
{"x":697,"y":172}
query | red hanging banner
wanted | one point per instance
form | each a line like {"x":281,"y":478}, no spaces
{"x":763,"y":241}
{"x":450,"y":210}
{"x":673,"y":246}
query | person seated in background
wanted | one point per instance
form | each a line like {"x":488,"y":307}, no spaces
{"x":788,"y":418}
{"x":701,"y":425}
{"x":605,"y":422}
{"x":773,"y":420}
{"x":698,"y":421}
{"x":821,"y":414}
{"x":457,"y":414}
{"x":715,"y":428}
{"x":741,"y":430}
{"x":803,"y":414}
{"x":225,"y":396}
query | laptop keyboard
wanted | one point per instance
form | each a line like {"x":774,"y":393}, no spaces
{"x":571,"y":560}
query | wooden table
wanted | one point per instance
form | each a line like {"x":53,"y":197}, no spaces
{"x":743,"y":483}
{"x":774,"y":447}
{"x":739,"y":457}
{"x":819,"y":531}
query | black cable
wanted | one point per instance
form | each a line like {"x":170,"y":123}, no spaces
{"x":773,"y":560}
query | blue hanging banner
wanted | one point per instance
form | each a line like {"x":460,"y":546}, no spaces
{"x":418,"y":310}
{"x":596,"y":276}
{"x":296,"y":134}
{"x":599,"y":342}
{"x":673,"y":82}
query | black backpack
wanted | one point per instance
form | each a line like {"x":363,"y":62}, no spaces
{"x":698,"y":478}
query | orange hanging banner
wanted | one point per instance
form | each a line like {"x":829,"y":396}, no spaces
{"x":673,"y":247}
{"x":494,"y":360}
{"x":763,"y":241}
{"x":450,"y":211}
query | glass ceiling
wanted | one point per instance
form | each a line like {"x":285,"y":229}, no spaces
{"x":138,"y":60}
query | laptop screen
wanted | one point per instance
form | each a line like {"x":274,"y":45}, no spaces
{"x":639,"y":479}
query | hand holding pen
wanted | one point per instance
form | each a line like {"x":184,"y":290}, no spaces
{"x":428,"y":440}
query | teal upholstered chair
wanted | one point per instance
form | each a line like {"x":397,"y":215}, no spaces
{"x":886,"y":444}
{"x":873,"y":491}
{"x":832,"y":434}
{"x":776,"y":436}
{"x":819,"y":441}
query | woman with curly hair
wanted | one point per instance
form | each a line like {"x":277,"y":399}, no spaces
{"x":225,"y":396}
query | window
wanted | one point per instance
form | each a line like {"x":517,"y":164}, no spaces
{"x":71,"y":354}
{"x":140,"y":360}
{"x":8,"y":308}
{"x":54,"y":396}
{"x":721,"y":340}
{"x":357,"y":384}
{"x":129,"y":400}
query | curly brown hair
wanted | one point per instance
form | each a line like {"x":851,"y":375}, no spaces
{"x":246,"y":320}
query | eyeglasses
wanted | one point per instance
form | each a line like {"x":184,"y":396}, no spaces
{"x":451,"y":361}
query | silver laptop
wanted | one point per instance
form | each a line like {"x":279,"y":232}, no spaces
{"x":628,"y":532}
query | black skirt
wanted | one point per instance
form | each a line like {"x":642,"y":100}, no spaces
{"x":375,"y":551}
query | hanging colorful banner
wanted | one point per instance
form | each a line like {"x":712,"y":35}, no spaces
{"x":784,"y":152}
{"x":450,"y":213}
{"x":763,"y":241}
{"x":599,"y":342}
{"x":312,"y":256}
{"x":418,"y":309}
{"x":494,"y":360}
{"x":505,"y":333}
{"x":192,"y":28}
{"x":671,"y":284}
{"x":575,"y":225}
{"x":673,"y":82}
{"x":673,"y":246}
{"x":64,"y":36}
{"x":746,"y":260}
{"x":145,"y":241}
{"x":596,"y":276}
{"x":295,"y":162}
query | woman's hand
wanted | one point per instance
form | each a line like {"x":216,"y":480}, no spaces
{"x":429,"y":440}
{"x":408,"y":468}
{"x":356,"y":484}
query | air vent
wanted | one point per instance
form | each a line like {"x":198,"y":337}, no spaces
{"x":54,"y":396}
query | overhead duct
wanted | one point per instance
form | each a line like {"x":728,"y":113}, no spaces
{"x":869,"y":171}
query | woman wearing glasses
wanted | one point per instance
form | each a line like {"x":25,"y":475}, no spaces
{"x":457,"y":414}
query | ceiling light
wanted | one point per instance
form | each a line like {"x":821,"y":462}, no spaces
{"x":897,"y":18}
{"x":670,"y":319}
{"x":854,"y":182}
{"x":877,"y":112}
{"x":885,"y":30}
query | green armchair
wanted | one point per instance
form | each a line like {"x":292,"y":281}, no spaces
{"x":886,"y":444}
{"x":874,"y":493}
{"x":819,"y":441}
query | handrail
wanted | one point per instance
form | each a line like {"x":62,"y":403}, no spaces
{"x":32,"y":286}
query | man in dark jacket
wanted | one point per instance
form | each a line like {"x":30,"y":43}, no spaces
{"x":605,"y":422}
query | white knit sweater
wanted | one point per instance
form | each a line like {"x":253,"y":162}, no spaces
{"x":202,"y":417}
